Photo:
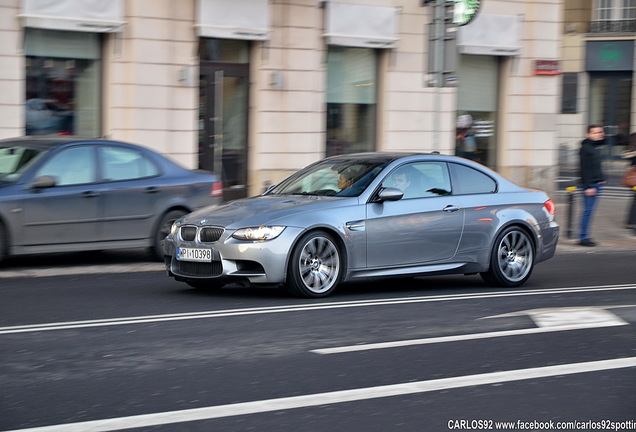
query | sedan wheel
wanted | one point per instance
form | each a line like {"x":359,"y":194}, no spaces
{"x":512,"y":259}
{"x":163,"y":229}
{"x":315,"y":266}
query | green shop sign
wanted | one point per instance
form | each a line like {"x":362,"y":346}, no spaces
{"x":464,"y":11}
{"x":604,"y":56}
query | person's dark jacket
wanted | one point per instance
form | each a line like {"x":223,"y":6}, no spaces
{"x":591,"y":169}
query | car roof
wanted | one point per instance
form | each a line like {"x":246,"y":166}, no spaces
{"x":378,"y":156}
{"x":53,"y":141}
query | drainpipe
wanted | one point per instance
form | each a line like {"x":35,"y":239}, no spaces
{"x":438,"y":68}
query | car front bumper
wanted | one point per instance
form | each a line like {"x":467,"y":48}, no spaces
{"x":259,"y":262}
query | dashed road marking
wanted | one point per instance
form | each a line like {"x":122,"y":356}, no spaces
{"x":300,"y":308}
{"x":335,"y":397}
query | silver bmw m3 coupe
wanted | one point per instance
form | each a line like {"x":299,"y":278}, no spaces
{"x":368,"y":215}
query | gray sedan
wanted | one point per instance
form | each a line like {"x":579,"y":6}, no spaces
{"x":66,"y":194}
{"x":365,"y":216}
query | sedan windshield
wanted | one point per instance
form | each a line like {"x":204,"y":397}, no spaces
{"x":337,"y":177}
{"x":14,"y":160}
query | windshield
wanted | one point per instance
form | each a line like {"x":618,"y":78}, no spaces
{"x":337,"y":177}
{"x":14,"y":160}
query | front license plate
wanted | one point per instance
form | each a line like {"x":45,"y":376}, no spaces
{"x":194,"y":254}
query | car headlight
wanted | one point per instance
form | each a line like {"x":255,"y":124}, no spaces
{"x":175,"y":227}
{"x":258,"y":233}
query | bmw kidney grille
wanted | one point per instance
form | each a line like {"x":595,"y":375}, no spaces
{"x":206,"y":234}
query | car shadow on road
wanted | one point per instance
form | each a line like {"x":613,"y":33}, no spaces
{"x":65,"y":259}
{"x":401,"y":287}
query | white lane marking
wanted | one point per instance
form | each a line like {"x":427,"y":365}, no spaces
{"x":335,"y":397}
{"x":300,"y":308}
{"x":457,"y":338}
{"x":566,"y":316}
{"x":547,"y":319}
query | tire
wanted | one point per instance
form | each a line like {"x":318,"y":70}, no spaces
{"x":162,"y":230}
{"x":512,"y":259}
{"x":315,"y":266}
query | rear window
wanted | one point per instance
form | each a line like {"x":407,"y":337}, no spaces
{"x":125,"y":164}
{"x":467,"y":180}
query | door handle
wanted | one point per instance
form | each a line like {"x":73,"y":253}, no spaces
{"x":152,"y":189}
{"x":451,"y":208}
{"x":90,"y":194}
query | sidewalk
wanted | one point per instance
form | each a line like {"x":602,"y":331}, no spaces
{"x":608,"y":225}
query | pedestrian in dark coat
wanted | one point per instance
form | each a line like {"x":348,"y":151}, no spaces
{"x":592,"y":178}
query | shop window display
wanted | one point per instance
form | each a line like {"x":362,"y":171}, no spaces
{"x":63,"y":83}
{"x":351,"y":100}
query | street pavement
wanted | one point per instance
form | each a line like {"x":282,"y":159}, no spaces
{"x":609,"y":221}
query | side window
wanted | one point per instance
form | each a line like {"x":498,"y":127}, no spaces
{"x":467,"y":180}
{"x":120,"y":163}
{"x":72,"y":166}
{"x":420,"y":179}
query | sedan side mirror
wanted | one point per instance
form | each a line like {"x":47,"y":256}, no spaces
{"x":43,"y":182}
{"x":389,"y":194}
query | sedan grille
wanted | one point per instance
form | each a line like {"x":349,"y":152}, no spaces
{"x":206,"y":234}
{"x":214,"y":268}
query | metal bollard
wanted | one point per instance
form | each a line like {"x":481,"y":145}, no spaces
{"x":570,"y":190}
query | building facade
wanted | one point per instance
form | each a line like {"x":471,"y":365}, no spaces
{"x":598,"y":64}
{"x":256,"y":89}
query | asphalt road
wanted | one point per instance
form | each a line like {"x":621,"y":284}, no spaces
{"x":114,"y":344}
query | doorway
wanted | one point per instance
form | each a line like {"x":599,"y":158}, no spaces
{"x":610,"y":106}
{"x":477,"y":108}
{"x":223,"y":107}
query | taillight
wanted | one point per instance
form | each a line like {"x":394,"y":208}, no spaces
{"x":217,"y":189}
{"x":550,"y":207}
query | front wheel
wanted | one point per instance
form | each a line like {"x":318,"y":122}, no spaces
{"x":511,"y":260}
{"x":315,"y":266}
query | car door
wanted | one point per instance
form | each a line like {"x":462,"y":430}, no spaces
{"x":477,"y":192}
{"x":129,"y":194}
{"x":424,"y":226}
{"x":68,"y":211}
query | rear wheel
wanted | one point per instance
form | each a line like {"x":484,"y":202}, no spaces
{"x":315,"y":266}
{"x":511,"y":260}
{"x":162,"y":231}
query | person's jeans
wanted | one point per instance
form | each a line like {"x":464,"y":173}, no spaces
{"x":589,"y":205}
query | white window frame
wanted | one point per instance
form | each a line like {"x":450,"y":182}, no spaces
{"x":614,"y":10}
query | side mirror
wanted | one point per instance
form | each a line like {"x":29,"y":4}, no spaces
{"x":389,"y":194}
{"x":43,"y":182}
{"x":269,"y":189}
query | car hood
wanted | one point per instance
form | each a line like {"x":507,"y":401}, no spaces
{"x":266,"y":209}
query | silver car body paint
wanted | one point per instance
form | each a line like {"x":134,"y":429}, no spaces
{"x":432,"y":235}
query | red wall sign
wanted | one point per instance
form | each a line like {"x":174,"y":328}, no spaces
{"x":547,"y":67}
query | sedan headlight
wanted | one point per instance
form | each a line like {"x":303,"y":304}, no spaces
{"x":258,"y":233}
